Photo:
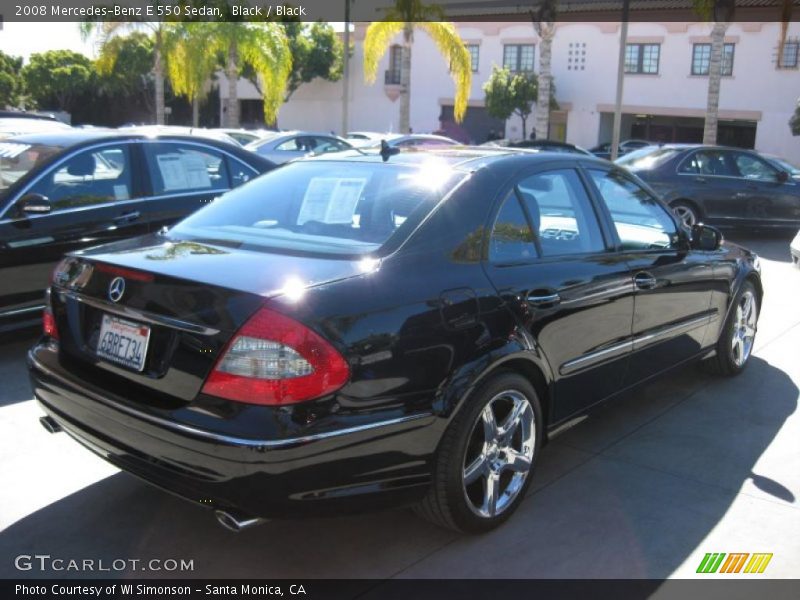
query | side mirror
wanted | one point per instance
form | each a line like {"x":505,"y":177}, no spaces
{"x":782,"y":177}
{"x":705,"y":237}
{"x":34,"y":204}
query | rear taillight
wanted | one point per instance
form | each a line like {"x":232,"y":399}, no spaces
{"x":275,"y":360}
{"x":49,"y":326}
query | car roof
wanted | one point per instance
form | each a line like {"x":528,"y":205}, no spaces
{"x":460,"y":157}
{"x":74,"y":137}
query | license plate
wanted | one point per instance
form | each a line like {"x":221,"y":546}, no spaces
{"x":123,"y":342}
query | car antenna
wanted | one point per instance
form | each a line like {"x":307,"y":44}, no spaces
{"x":387,"y":151}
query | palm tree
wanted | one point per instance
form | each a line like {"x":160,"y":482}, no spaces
{"x":544,"y":21}
{"x":190,"y":66}
{"x":404,"y":17}
{"x":264,"y":48}
{"x":107,"y":30}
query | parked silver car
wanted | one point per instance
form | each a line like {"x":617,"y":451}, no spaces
{"x":284,"y":146}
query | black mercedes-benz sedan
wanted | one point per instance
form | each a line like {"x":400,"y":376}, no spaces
{"x":370,"y":330}
{"x":64,"y":190}
{"x":726,"y":187}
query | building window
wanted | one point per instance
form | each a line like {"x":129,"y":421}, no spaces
{"x":392,"y":75}
{"x":791,"y":55}
{"x":474,"y":55}
{"x":701,"y":59}
{"x":642,"y":58}
{"x":518,"y":58}
{"x":576,"y":58}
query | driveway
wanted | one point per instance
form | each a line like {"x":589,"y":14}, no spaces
{"x":644,"y":488}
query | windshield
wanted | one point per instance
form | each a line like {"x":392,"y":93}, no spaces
{"x":649,"y":157}
{"x":344,"y":208}
{"x":18,"y":159}
{"x":785,"y":166}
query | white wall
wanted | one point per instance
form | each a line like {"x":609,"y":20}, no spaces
{"x":756,"y":85}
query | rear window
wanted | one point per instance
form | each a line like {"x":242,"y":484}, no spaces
{"x":344,"y":208}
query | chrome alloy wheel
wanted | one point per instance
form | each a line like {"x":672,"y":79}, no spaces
{"x":499,"y":453}
{"x":686,"y":215}
{"x":744,"y":328}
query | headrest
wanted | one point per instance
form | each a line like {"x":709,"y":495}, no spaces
{"x":81,"y":165}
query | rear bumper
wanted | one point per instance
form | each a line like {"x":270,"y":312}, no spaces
{"x":353,"y":468}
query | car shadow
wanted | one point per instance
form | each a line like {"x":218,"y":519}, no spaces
{"x":647,"y":479}
{"x":771,"y":245}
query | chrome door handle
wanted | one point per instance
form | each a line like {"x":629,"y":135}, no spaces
{"x":644,"y":281}
{"x":543,"y":300}
{"x":128,"y":217}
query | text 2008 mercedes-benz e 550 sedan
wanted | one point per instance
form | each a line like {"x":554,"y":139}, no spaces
{"x":360,"y":331}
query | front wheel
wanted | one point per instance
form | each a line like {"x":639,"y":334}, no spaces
{"x":736,"y":341}
{"x":484,"y":463}
{"x":686,"y":212}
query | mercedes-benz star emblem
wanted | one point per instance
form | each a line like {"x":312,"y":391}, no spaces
{"x":116,"y":289}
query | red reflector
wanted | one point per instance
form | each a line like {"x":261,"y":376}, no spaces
{"x":49,"y":324}
{"x":274,"y":360}
{"x":123,"y":272}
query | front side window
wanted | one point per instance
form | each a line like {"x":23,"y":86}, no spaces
{"x":561,"y":213}
{"x":751,"y":167}
{"x":642,"y":58}
{"x":709,"y":162}
{"x":701,"y":59}
{"x":640,"y":221}
{"x":518,"y":58}
{"x":94,"y":176}
{"x":180,"y":168}
{"x":18,"y":159}
{"x":512,"y":238}
{"x":324,"y":207}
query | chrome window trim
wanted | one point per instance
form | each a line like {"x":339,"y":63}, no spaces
{"x":140,"y":315}
{"x":121,"y":202}
{"x":635,"y":343}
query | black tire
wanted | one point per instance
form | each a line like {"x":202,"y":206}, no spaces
{"x":687,"y":212}
{"x":725,"y":362}
{"x":448,"y":501}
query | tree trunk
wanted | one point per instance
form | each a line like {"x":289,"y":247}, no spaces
{"x":158,"y":74}
{"x":542,"y":127}
{"x":714,"y":78}
{"x":405,"y":79}
{"x":232,"y":73}
{"x":196,"y":111}
{"x":524,"y":127}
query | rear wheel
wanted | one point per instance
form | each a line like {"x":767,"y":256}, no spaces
{"x":485,"y":459}
{"x":686,"y":212}
{"x":736,"y":341}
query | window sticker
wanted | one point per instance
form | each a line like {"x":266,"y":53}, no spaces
{"x":331,"y":200}
{"x":121,"y":192}
{"x":183,"y":171}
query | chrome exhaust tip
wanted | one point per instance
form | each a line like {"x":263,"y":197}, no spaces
{"x":50,"y":424}
{"x":236,"y":522}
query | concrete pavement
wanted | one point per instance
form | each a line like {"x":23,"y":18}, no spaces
{"x":642,"y":489}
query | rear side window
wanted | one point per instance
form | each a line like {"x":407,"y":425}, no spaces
{"x":641,"y":222}
{"x":512,"y":238}
{"x":181,"y":168}
{"x":709,"y":162}
{"x":561,"y":213}
{"x":321,"y":207}
{"x":95,"y":176}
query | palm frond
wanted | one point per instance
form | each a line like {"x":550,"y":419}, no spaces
{"x":451,"y":46}
{"x":376,"y":42}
